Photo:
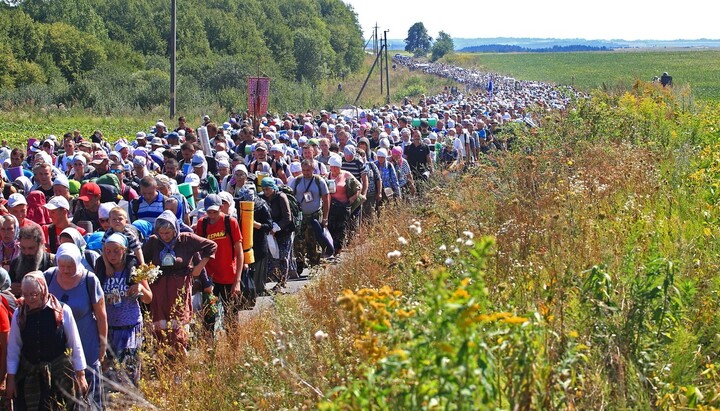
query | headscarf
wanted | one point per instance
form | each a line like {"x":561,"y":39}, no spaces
{"x":117,"y":238}
{"x":168,"y":248}
{"x":269,"y":182}
{"x":4,"y":280}
{"x":36,"y":210}
{"x":76,"y":237}
{"x":24,"y":183}
{"x":72,"y":251}
{"x":48,"y":299}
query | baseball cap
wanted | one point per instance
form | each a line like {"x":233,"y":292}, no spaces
{"x":213,"y":202}
{"x":57,"y":202}
{"x":140,"y":161}
{"x":261,"y":146}
{"x":140,"y":135}
{"x":16,"y":199}
{"x":61,"y":180}
{"x":192,"y":179}
{"x":197,"y":160}
{"x":99,"y":157}
{"x":89,"y":190}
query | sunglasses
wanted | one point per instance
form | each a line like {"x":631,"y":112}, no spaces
{"x":116,"y":171}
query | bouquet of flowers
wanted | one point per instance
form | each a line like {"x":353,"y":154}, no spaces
{"x":149,"y":272}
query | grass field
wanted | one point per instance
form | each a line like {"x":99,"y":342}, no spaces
{"x":698,"y":69}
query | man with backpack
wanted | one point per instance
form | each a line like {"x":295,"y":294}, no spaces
{"x":311,"y":192}
{"x":90,"y":196}
{"x":226,"y":269}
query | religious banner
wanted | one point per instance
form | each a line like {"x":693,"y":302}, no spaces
{"x":258,"y":94}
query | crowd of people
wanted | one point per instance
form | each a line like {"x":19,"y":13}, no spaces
{"x":80,"y":216}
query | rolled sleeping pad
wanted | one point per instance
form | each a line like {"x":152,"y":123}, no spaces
{"x":186,"y":190}
{"x":323,"y":238}
{"x":204,"y":140}
{"x":247,"y":218}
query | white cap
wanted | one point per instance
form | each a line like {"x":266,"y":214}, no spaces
{"x":192,"y":179}
{"x":104,"y":210}
{"x":57,"y":202}
{"x":61,"y":180}
{"x":16,"y":200}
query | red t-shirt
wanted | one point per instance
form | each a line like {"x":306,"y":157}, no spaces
{"x":221,"y":268}
{"x":4,"y":318}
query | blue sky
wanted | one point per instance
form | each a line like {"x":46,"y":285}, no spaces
{"x":607,"y":19}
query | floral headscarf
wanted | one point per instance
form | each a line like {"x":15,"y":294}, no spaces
{"x":49,"y":299}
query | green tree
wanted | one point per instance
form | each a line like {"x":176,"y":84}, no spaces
{"x":418,"y":42}
{"x":443,"y":45}
{"x":313,"y":54}
{"x":73,"y":52}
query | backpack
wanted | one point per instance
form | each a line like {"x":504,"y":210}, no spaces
{"x":109,"y":193}
{"x":228,"y":231}
{"x":295,"y":210}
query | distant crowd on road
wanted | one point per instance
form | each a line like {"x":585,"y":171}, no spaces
{"x":219,"y":209}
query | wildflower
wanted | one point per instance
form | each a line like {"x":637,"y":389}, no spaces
{"x":320,"y":335}
{"x":469,"y":243}
{"x":415,"y":227}
{"x":449,"y":261}
{"x":442,"y":247}
{"x":459,"y":240}
{"x":514,"y":320}
{"x":276,"y":361}
{"x":468,"y":234}
{"x":456,"y":250}
{"x":402,"y":240}
{"x":394,"y":254}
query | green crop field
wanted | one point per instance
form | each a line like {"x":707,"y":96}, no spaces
{"x":698,"y":69}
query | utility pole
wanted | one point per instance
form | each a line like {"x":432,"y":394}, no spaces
{"x":173,"y":49}
{"x":375,"y":41}
{"x":387,"y":71}
{"x":381,"y":68}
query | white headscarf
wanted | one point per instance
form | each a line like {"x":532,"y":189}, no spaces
{"x":72,"y":251}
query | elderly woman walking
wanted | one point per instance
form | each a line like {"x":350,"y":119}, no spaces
{"x":122,"y":296}
{"x":41,"y":373}
{"x":80,"y":289}
{"x":181,"y":257}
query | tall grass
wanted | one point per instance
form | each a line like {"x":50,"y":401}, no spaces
{"x":578,"y":272}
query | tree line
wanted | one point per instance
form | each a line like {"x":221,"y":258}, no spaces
{"x":113,"y":55}
{"x":508,"y":48}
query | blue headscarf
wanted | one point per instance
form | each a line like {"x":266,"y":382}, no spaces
{"x":269,"y":182}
